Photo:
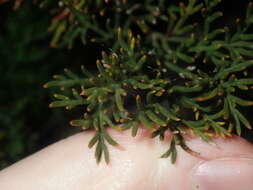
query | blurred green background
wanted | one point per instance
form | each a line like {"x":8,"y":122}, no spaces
{"x":26,"y":63}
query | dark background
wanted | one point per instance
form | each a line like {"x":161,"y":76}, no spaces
{"x":27,"y":62}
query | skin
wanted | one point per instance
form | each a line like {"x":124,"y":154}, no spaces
{"x":134,"y":165}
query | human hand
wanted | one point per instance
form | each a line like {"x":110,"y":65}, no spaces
{"x":134,"y":165}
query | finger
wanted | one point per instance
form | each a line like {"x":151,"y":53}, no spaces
{"x":69,"y":164}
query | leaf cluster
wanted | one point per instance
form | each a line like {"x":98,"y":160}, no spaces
{"x":183,"y":75}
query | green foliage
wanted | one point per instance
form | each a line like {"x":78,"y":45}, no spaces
{"x":161,"y":61}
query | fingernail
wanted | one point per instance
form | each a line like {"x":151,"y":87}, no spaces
{"x":223,"y":174}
